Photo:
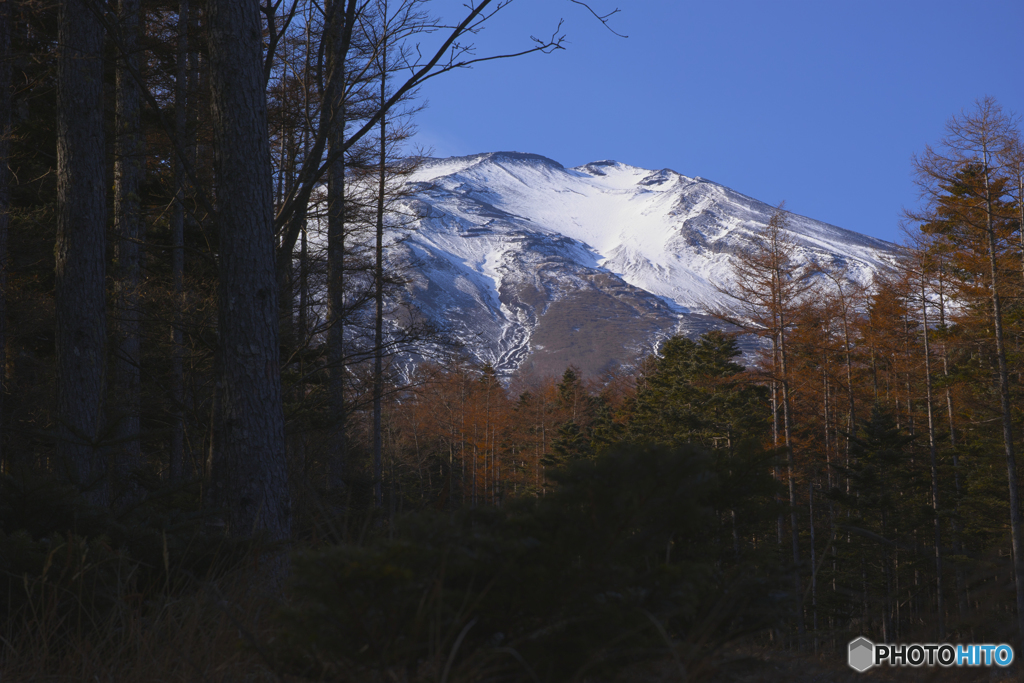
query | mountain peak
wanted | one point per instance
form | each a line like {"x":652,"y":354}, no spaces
{"x":473,"y":159}
{"x":543,"y":265}
{"x":605,"y":167}
{"x":519,"y":156}
{"x":431,"y":168}
{"x":598,"y":167}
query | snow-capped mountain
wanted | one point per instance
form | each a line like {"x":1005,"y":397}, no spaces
{"x":535,"y":264}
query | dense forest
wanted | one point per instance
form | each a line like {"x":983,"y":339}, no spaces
{"x":219,"y":463}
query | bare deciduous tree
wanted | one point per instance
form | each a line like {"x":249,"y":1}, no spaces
{"x":768,"y":284}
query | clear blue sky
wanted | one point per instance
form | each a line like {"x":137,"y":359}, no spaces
{"x":819,"y":103}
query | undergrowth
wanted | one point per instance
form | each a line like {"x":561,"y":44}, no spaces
{"x":616,"y":567}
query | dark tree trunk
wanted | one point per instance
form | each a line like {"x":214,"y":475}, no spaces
{"x":961,"y":579}
{"x":335,"y":97}
{"x":933,"y":462}
{"x":787,"y":425}
{"x":286,"y":276}
{"x":129,"y":164}
{"x":1016,"y":526}
{"x":6,"y":102}
{"x":249,"y":481}
{"x":176,"y":465}
{"x":378,"y":323}
{"x":81,"y":223}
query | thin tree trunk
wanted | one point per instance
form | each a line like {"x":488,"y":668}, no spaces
{"x":302,"y":341}
{"x":827,"y":414}
{"x":249,"y":481}
{"x":1016,"y":163}
{"x":775,"y":444}
{"x":286,"y":275}
{"x":129,"y":166}
{"x":790,"y":475}
{"x":906,"y":354}
{"x":6,"y":102}
{"x":961,"y":582}
{"x":890,"y":570}
{"x":874,"y":373}
{"x":176,"y":466}
{"x":814,"y":564}
{"x":852,"y":419}
{"x":933,"y":456}
{"x":378,"y":278}
{"x":1004,"y":400}
{"x":335,"y":97}
{"x":80,"y":253}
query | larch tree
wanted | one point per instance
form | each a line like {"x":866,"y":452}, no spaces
{"x":451,"y":54}
{"x":849,"y":296}
{"x":378,"y":260}
{"x":918,"y":269}
{"x":963,"y":183}
{"x":1013,"y":160}
{"x":768,"y":285}
{"x":348,"y":61}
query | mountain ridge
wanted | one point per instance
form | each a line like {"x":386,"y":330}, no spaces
{"x":535,"y":265}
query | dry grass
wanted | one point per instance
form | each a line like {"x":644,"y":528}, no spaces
{"x":213,"y":635}
{"x":220,"y":631}
{"x":200,"y":636}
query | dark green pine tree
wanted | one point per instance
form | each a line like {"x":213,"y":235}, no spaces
{"x":888,"y":498}
{"x":570,"y":445}
{"x":880,"y":473}
{"x":573,"y":441}
{"x":572,"y":396}
{"x":695,"y":394}
{"x":489,"y":376}
{"x":606,"y":430}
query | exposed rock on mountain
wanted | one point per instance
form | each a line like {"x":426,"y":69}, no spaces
{"x":535,"y":265}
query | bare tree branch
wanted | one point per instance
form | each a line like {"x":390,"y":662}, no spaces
{"x":603,"y":19}
{"x":274,"y":35}
{"x":287,"y":219}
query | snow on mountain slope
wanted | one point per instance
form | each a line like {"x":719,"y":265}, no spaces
{"x":534,"y":263}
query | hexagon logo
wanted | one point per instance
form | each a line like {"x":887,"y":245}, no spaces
{"x":862,"y":654}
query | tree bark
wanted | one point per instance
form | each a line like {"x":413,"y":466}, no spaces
{"x":6,"y":103}
{"x":80,"y":251}
{"x":249,"y":483}
{"x":129,"y":165}
{"x":787,"y":428}
{"x":176,"y":464}
{"x":933,"y":460}
{"x":378,"y":295}
{"x":337,"y":48}
{"x":961,"y":581}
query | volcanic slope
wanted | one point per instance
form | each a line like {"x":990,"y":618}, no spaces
{"x":536,"y":266}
